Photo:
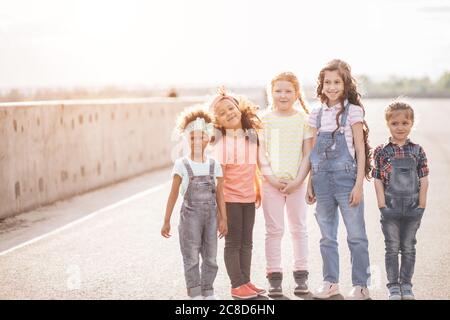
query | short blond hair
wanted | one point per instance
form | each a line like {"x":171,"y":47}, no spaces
{"x":397,"y":106}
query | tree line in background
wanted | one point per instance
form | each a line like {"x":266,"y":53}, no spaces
{"x":411,"y":87}
{"x":390,"y":88}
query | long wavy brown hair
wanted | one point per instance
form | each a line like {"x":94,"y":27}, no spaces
{"x":292,"y":78}
{"x":353,"y":96}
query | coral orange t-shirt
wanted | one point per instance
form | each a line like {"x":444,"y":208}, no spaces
{"x":238,"y":157}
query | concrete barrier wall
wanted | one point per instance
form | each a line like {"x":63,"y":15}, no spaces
{"x":55,"y":150}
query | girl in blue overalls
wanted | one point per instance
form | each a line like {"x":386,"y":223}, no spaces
{"x":401,"y":184}
{"x":340,"y":160}
{"x":203,"y":211}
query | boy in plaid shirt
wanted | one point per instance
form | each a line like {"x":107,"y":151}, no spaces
{"x":401,"y":183}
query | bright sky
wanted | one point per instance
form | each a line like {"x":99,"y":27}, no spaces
{"x":233,"y":42}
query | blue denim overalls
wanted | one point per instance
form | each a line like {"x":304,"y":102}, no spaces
{"x":198,"y":232}
{"x":333,"y":178}
{"x":400,"y":219}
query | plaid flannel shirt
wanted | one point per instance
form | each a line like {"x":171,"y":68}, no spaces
{"x":384,"y":153}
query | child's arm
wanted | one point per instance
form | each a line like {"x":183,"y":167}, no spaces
{"x":423,"y":192}
{"x":379,"y":190}
{"x":304,"y":168}
{"x":358,"y":138}
{"x":310,"y":196}
{"x":222,"y":213}
{"x":257,"y":189}
{"x":173,"y":196}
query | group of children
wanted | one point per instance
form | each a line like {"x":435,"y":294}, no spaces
{"x":281,"y":147}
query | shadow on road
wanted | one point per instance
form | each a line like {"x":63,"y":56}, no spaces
{"x":304,"y":296}
{"x":257,"y":298}
{"x":336,"y":297}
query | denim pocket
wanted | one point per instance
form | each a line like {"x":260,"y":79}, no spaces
{"x":389,"y":213}
{"x":417,"y":212}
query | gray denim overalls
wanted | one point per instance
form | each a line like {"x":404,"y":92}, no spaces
{"x":401,"y":218}
{"x":198,"y":232}
{"x":402,"y":192}
{"x":333,"y":178}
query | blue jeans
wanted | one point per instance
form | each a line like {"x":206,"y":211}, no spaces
{"x":332,"y":191}
{"x":400,"y":237}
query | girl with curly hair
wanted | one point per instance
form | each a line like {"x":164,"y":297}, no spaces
{"x":236,"y":146}
{"x":203,"y":211}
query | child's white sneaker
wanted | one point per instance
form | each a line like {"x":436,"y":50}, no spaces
{"x":197,"y":298}
{"x":394,"y":292}
{"x":327,"y":290}
{"x":407,"y":293}
{"x":211,"y":297}
{"x":359,"y":293}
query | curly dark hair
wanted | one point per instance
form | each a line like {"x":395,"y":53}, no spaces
{"x":190,"y":114}
{"x":353,"y":96}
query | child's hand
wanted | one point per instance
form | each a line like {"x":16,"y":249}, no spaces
{"x":277,"y":184}
{"x":165,"y":230}
{"x":223,"y":228}
{"x":258,"y":200}
{"x":310,"y":197}
{"x":355,"y":196}
{"x":290,"y":187}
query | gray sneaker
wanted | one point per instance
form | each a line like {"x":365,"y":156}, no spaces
{"x":407,"y":293}
{"x":275,"y":279}
{"x":394,"y":292}
{"x":301,"y":278}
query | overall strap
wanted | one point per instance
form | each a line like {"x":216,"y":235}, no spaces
{"x":211,"y":167}
{"x":416,"y":151}
{"x":188,"y":167}
{"x":344,"y":116}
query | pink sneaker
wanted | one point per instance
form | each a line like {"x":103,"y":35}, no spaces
{"x":258,"y":290}
{"x":243,"y":292}
{"x":327,"y":290}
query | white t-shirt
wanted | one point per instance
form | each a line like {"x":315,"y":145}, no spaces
{"x":198,"y":168}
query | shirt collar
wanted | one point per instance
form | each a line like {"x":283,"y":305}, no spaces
{"x":336,"y":107}
{"x":408,"y":141}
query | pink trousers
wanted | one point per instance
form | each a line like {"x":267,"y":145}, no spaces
{"x":274,"y":203}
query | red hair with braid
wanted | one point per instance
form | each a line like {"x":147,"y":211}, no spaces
{"x":290,"y":77}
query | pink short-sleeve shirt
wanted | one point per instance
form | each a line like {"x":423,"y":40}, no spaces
{"x":238,"y":157}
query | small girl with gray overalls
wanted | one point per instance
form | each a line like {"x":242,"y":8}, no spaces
{"x":401,"y":185}
{"x":194,"y":177}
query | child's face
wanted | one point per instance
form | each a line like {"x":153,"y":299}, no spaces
{"x":400,"y":125}
{"x":333,"y":87}
{"x":198,"y":141}
{"x":284,"y":95}
{"x":227,"y":114}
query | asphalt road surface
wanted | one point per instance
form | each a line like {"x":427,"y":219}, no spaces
{"x":107,"y":244}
